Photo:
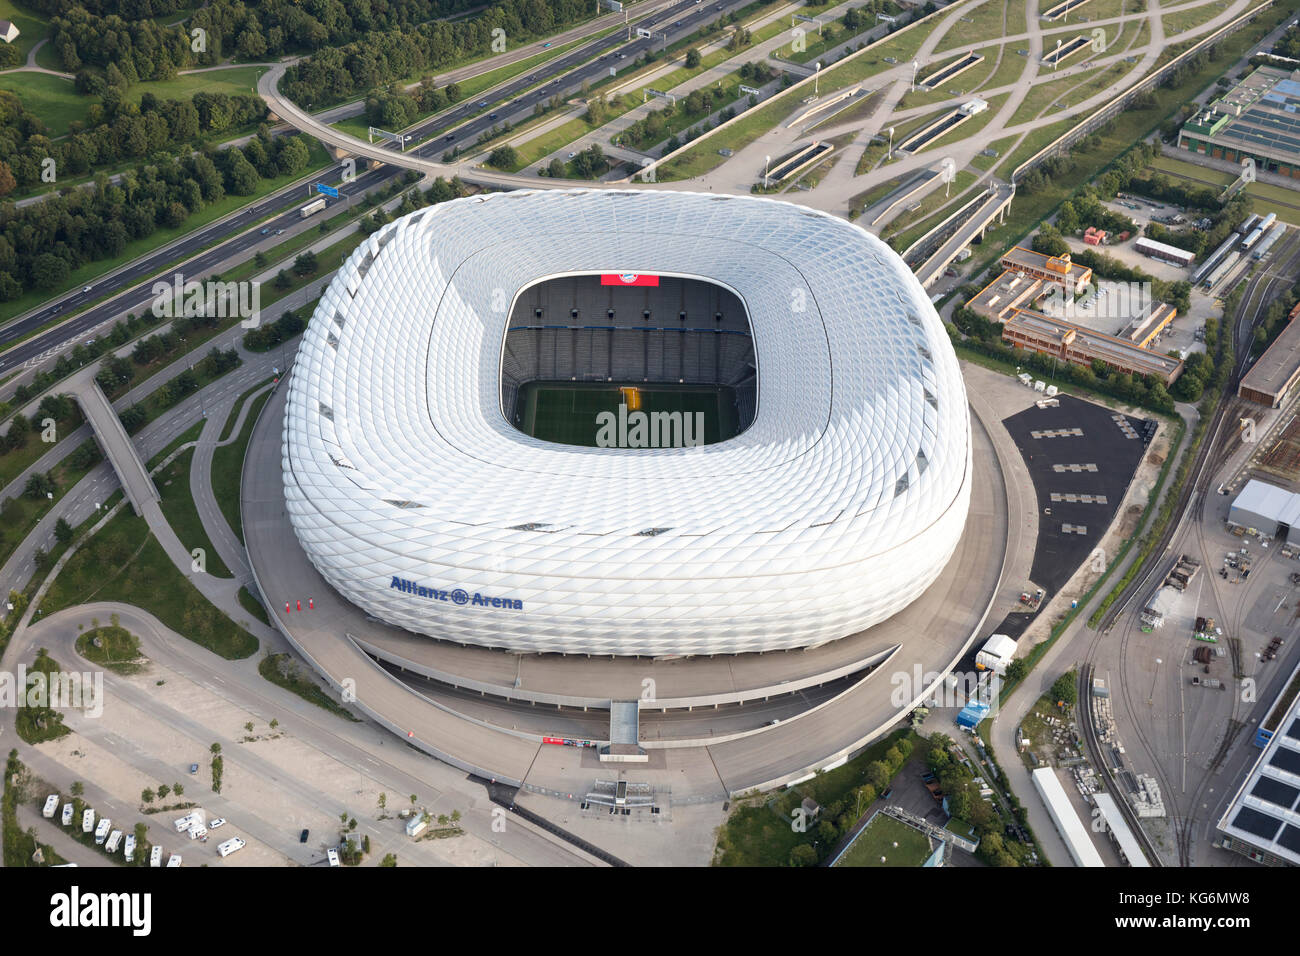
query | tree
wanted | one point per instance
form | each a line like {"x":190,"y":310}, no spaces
{"x":1017,"y":669}
{"x":215,"y":748}
{"x":556,"y":169}
{"x":147,"y":795}
{"x":178,"y":788}
{"x":1065,"y":689}
{"x":163,"y":790}
{"x":249,"y":726}
{"x":878,"y":775}
{"x":39,"y":485}
{"x":305,"y":264}
{"x":503,"y":157}
{"x":62,"y":531}
{"x":803,"y":855}
{"x":389,"y":859}
{"x":77,"y":788}
{"x":692,"y":58}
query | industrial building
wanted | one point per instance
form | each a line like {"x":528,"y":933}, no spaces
{"x":1267,"y":510}
{"x":1061,"y":270}
{"x":1263,"y":820}
{"x":1164,"y":252}
{"x":1041,"y":333}
{"x":1120,"y":834}
{"x":1068,"y":824}
{"x":1275,"y":373}
{"x":1257,"y":118}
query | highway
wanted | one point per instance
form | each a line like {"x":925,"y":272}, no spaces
{"x":236,"y":234}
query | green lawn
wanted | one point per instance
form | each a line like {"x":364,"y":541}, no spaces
{"x":32,"y":27}
{"x":282,"y":670}
{"x":229,"y":425}
{"x":51,"y":98}
{"x":758,"y":831}
{"x":124,"y":562}
{"x":178,"y":507}
{"x":568,"y":414}
{"x":228,"y":466}
{"x":21,"y":513}
{"x":253,"y":606}
{"x":239,"y":79}
{"x":118,"y":649}
{"x":887,"y":842}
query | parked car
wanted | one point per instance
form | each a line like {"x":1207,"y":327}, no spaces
{"x":218,"y":822}
{"x":302,"y":837}
{"x":194,"y":768}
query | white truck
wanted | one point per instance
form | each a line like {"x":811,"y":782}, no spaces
{"x":232,"y":845}
{"x":67,"y":814}
{"x":128,"y":848}
{"x":51,"y":804}
{"x":174,"y":860}
{"x":101,"y":831}
{"x":315,"y":206}
{"x":155,"y":857}
{"x":113,"y":842}
{"x":88,"y":820}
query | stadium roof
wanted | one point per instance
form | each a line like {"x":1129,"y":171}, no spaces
{"x":417,"y":499}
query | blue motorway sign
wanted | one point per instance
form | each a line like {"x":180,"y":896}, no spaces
{"x":327,"y":190}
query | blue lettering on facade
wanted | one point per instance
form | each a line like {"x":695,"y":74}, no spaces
{"x":458,"y":596}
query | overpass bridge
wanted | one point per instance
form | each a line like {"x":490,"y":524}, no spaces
{"x":114,"y":441}
{"x":930,"y":255}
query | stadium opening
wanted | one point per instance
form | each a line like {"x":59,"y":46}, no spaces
{"x":626,"y":360}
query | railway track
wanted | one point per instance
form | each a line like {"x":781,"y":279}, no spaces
{"x":1223,"y":440}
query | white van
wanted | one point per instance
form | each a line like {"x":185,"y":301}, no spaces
{"x":198,"y":832}
{"x":174,"y":860}
{"x":114,"y":840}
{"x":101,"y":831}
{"x":51,"y":804}
{"x":88,"y":820}
{"x":230,"y":846}
{"x":184,"y":823}
{"x":128,"y":848}
{"x":155,"y":856}
{"x":67,"y":814}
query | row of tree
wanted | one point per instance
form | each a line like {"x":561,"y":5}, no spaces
{"x":41,"y":243}
{"x":115,"y":130}
{"x":334,"y":73}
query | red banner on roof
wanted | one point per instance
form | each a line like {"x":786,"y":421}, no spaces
{"x":627,"y":278}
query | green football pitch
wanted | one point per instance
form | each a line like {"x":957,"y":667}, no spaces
{"x":567,"y":412}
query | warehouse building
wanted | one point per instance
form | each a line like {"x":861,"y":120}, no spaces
{"x":1275,"y":373}
{"x":1068,"y":824}
{"x":1164,"y":252}
{"x":1267,"y":510}
{"x":1257,"y":118}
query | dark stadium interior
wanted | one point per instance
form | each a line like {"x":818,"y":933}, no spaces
{"x":678,"y":332}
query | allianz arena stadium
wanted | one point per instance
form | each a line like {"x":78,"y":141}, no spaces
{"x":630,"y":423}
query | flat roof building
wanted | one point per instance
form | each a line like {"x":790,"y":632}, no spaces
{"x":1041,"y":333}
{"x":1257,"y":118}
{"x":1275,"y":373}
{"x":1263,"y":820}
{"x":1068,"y":824}
{"x":1164,"y":252}
{"x":1062,"y":270}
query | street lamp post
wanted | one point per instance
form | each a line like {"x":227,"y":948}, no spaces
{"x":817,"y":75}
{"x":767,"y":161}
{"x":1056,"y":61}
{"x":915,"y":66}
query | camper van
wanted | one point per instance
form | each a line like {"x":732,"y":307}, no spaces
{"x":198,"y":831}
{"x":185,"y":822}
{"x":51,"y":804}
{"x":174,"y":860}
{"x":101,"y":831}
{"x":114,"y":841}
{"x":230,"y":846}
{"x":88,"y":820}
{"x":333,"y":856}
{"x":155,"y":856}
{"x":128,"y":848}
{"x":67,"y":814}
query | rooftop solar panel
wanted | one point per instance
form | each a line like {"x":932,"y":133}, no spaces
{"x":1290,"y":838}
{"x":1276,"y":792}
{"x":1260,"y":824}
{"x":1288,"y":760}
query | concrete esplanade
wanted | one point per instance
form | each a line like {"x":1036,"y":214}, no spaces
{"x":756,"y":719}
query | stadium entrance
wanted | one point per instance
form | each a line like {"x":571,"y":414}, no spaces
{"x":629,"y":361}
